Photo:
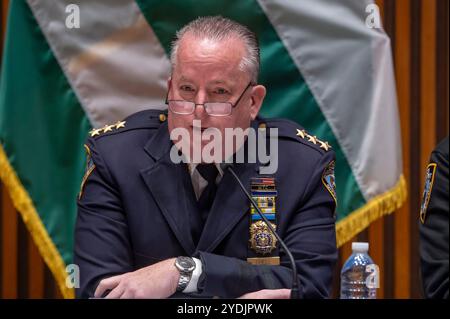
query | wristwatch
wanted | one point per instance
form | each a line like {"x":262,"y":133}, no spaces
{"x":185,"y":266}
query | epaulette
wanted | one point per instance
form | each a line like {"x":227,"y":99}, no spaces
{"x":292,"y":130}
{"x":107,"y":128}
{"x":144,"y":119}
{"x":313,"y":139}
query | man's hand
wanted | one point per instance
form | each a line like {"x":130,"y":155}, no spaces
{"x":268,"y":294}
{"x":156,"y":281}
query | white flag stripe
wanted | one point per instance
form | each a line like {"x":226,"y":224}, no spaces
{"x":114,"y":61}
{"x":348,"y":68}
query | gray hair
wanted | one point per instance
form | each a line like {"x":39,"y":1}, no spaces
{"x":218,"y":28}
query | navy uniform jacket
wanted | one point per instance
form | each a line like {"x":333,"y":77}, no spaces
{"x":434,"y":225}
{"x":134,"y":211}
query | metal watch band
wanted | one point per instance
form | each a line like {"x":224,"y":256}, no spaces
{"x":185,"y":266}
{"x":184,"y":280}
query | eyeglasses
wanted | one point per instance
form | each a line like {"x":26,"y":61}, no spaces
{"x":183,"y":107}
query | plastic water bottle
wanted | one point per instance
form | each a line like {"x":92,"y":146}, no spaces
{"x":359,"y":275}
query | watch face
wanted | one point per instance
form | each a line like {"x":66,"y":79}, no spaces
{"x":186,"y":263}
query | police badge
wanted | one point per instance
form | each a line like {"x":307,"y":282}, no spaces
{"x":262,"y":241}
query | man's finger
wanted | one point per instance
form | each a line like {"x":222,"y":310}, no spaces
{"x":106,"y":284}
{"x":116,"y":293}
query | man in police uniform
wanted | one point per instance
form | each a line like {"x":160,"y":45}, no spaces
{"x":434,"y":225}
{"x":151,"y":228}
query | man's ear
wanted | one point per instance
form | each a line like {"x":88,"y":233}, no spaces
{"x":257,"y":98}
{"x":169,"y":85}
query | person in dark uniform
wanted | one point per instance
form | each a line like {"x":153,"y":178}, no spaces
{"x":151,"y":227}
{"x":434,"y":224}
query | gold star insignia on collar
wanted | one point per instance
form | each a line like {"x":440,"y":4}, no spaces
{"x":108,"y":128}
{"x":120,"y":124}
{"x":312,"y":139}
{"x":325,"y":145}
{"x":95,"y":132}
{"x":301,"y":133}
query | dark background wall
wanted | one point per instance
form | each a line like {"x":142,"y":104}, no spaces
{"x":419,"y":36}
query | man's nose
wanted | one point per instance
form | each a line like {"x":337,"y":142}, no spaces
{"x":199,"y":111}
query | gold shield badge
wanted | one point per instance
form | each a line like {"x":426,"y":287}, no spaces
{"x":262,"y":241}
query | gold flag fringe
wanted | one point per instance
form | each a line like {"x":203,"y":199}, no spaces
{"x":44,"y":243}
{"x":375,"y":208}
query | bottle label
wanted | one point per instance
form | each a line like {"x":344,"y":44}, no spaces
{"x":373,"y":279}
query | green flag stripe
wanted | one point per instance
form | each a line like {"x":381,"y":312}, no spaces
{"x":42,"y":126}
{"x":288,"y":94}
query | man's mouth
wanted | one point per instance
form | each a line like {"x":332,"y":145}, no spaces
{"x":202,"y":129}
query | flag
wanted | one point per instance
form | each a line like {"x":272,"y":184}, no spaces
{"x":69,"y":67}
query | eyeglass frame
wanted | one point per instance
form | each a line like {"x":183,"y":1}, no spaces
{"x":203,"y":104}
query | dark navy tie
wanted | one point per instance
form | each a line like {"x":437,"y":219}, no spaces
{"x":209,"y":173}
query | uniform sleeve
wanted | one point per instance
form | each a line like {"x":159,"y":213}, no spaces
{"x":102,"y":244}
{"x":311,"y":238}
{"x":434,"y":233}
